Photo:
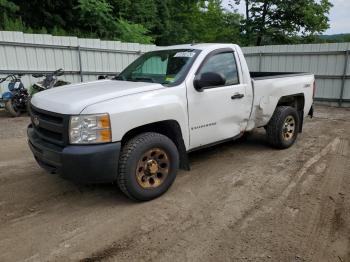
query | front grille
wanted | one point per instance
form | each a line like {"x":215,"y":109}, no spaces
{"x":49,"y":126}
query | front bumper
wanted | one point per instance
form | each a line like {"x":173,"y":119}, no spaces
{"x":85,"y":164}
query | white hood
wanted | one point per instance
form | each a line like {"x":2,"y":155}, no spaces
{"x":72,"y":99}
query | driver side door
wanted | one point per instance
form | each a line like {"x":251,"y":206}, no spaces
{"x":218,"y":113}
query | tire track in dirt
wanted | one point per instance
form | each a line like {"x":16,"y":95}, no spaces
{"x":228,"y":208}
{"x":271,"y":205}
{"x":265,"y":205}
{"x":194,"y":224}
{"x":327,"y":217}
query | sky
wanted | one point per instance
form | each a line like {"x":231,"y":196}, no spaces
{"x":339,"y":16}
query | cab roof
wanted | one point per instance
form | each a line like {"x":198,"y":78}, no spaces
{"x":200,"y":46}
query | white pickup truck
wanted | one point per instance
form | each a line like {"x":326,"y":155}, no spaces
{"x":137,"y":129}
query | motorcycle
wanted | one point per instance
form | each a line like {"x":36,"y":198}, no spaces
{"x":51,"y":80}
{"x":15,"y":100}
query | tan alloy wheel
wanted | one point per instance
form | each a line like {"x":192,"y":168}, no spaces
{"x":152,"y":168}
{"x":288,"y":128}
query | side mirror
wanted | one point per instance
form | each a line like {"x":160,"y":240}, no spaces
{"x":209,"y":79}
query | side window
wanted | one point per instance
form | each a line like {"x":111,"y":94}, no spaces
{"x":222,"y":63}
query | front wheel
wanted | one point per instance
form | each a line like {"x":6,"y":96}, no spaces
{"x":283,"y":128}
{"x":147,"y":166}
{"x":9,"y":106}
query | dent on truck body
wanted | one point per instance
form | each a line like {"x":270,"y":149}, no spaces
{"x":264,"y":110}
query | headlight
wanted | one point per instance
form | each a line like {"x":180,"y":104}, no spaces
{"x":90,"y":129}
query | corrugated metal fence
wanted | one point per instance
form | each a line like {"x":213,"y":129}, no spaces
{"x":329,"y":62}
{"x":82,"y":59}
{"x":85,"y":59}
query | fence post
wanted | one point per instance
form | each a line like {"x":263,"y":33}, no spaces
{"x":80,"y":65}
{"x":260,"y":61}
{"x":344,"y":78}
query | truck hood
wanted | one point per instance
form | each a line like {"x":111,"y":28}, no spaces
{"x":72,"y":99}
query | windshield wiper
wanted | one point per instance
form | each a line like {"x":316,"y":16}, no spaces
{"x":121,"y":78}
{"x":136,"y":79}
{"x":144,"y":79}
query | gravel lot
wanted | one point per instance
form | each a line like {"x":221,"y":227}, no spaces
{"x":242,"y":201}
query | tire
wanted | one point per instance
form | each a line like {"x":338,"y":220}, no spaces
{"x":9,"y":108}
{"x":245,"y":136}
{"x":148,"y":166}
{"x":279,"y":129}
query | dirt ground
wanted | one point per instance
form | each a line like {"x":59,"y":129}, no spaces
{"x":242,"y":201}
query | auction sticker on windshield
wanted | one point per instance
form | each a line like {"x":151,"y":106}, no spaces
{"x":185,"y":54}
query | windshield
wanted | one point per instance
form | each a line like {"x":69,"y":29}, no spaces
{"x":167,"y":67}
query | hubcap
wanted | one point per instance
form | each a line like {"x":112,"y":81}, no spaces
{"x":288,"y":128}
{"x":152,"y":168}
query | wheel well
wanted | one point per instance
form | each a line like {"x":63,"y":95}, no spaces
{"x":169,"y":128}
{"x":298,"y":102}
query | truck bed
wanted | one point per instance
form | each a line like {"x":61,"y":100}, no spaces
{"x":270,"y":87}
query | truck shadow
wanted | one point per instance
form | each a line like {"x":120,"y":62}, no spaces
{"x":255,"y":142}
{"x":110,"y":195}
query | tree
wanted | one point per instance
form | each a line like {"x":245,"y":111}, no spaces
{"x":277,"y":21}
{"x":136,"y":33}
{"x":47,"y":14}
{"x":96,"y":16}
{"x":214,"y":24}
{"x":167,"y":22}
{"x":163,"y":27}
{"x":195,"y":21}
{"x":7,"y":19}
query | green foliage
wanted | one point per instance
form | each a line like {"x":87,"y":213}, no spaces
{"x":166,"y":22}
{"x":214,"y":24}
{"x":12,"y":24}
{"x":276,"y":21}
{"x":195,"y":21}
{"x":138,"y":11}
{"x":339,"y":38}
{"x":47,"y":13}
{"x":6,"y":5}
{"x":8,"y":8}
{"x":96,"y":17}
{"x":58,"y":31}
{"x":135,"y":33}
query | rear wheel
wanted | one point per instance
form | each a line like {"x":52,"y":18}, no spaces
{"x":147,"y":166}
{"x":283,"y":128}
{"x":10,"y":107}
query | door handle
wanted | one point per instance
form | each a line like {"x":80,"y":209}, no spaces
{"x":237,"y":96}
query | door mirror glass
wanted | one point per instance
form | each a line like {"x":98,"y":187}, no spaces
{"x":209,"y":79}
